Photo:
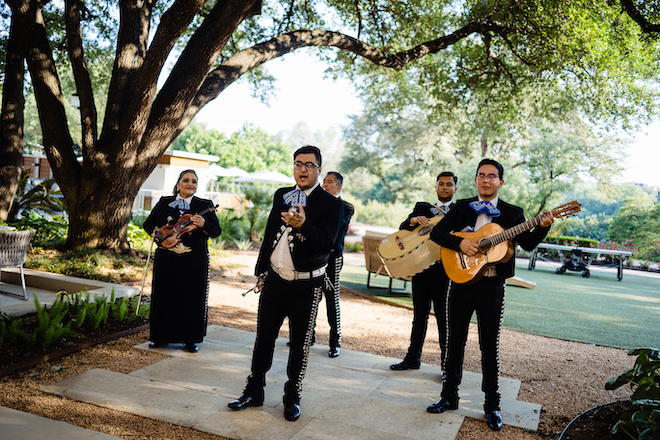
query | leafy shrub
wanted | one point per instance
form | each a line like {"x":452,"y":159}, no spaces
{"x":51,"y":230}
{"x":353,"y":246}
{"x":644,"y":380}
{"x":138,"y":237}
{"x":90,"y":264}
{"x":235,"y":227}
{"x":381,"y":214}
{"x":44,"y":196}
{"x":571,"y":241}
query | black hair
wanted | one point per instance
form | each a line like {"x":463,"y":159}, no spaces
{"x":179,"y":179}
{"x":308,"y":149}
{"x":447,"y":174}
{"x":338,"y":176}
{"x":493,"y":162}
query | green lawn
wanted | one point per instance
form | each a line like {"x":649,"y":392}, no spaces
{"x":598,"y":310}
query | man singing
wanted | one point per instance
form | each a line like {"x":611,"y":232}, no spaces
{"x":301,"y":231}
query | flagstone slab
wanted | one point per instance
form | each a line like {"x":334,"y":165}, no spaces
{"x":18,"y":425}
{"x":354,"y":396}
{"x":143,"y":397}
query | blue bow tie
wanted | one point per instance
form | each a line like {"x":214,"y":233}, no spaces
{"x":444,"y":209}
{"x":180,"y":204}
{"x":295,"y":198}
{"x":486,"y":207}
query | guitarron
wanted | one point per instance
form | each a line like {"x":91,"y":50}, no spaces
{"x":406,"y":253}
{"x":495,"y":246}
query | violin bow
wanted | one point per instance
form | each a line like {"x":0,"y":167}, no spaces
{"x":144,"y":277}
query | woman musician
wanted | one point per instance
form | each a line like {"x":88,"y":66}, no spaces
{"x":179,"y":293}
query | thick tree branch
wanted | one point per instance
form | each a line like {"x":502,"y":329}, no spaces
{"x":141,"y":95}
{"x":11,"y":125}
{"x":190,"y":71}
{"x":132,"y":39}
{"x":50,"y":101}
{"x":631,"y":9}
{"x":245,"y":60}
{"x":88,"y":116}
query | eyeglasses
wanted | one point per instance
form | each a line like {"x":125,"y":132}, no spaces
{"x":482,"y":176}
{"x":309,"y":166}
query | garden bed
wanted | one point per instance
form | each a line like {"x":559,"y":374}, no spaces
{"x":19,"y":357}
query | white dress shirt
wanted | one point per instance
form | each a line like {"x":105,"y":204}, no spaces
{"x":281,"y":256}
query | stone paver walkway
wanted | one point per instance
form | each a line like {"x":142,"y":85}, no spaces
{"x":354,"y":396}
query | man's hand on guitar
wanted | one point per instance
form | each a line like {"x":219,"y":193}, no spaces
{"x":469,"y":247}
{"x":547,"y":220}
{"x":420,"y":220}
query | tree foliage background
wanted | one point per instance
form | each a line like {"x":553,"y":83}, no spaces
{"x":527,"y":82}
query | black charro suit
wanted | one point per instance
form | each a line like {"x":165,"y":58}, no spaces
{"x":335,"y":265}
{"x":310,"y":247}
{"x":486,"y":297}
{"x":179,"y":291}
{"x":428,"y":287}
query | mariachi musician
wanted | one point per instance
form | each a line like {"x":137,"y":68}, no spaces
{"x":429,"y":286}
{"x":179,"y":293}
{"x":301,"y":231}
{"x":484,"y":295}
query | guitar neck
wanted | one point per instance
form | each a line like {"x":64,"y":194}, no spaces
{"x":510,"y":233}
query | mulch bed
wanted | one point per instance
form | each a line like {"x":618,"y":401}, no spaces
{"x":597,"y":422}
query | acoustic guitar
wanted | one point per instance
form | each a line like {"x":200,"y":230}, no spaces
{"x":495,"y":246}
{"x":406,"y":253}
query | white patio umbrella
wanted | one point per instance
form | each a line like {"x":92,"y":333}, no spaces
{"x":219,"y":171}
{"x":265,"y":176}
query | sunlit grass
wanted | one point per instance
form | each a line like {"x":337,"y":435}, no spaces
{"x":597,"y":310}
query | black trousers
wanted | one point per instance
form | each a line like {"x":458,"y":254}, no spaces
{"x":332,"y":298}
{"x":486,"y":298}
{"x":297,"y":300}
{"x":428,"y":287}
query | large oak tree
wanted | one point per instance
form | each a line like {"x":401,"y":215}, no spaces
{"x":214,"y":43}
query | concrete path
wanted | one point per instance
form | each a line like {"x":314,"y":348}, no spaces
{"x":17,"y":425}
{"x":354,"y":396}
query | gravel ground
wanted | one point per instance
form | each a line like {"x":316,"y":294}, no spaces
{"x":566,"y":378}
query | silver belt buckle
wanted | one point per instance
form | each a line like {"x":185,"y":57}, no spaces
{"x":286,"y":274}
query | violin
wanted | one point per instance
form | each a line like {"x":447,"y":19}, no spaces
{"x":169,"y":236}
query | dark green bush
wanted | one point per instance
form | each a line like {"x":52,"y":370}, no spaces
{"x":644,"y":380}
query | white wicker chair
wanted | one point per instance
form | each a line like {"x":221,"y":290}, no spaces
{"x":13,"y":250}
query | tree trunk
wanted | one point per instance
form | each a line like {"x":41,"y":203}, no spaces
{"x":100,"y":213}
{"x":141,"y":120}
{"x":11,"y":124}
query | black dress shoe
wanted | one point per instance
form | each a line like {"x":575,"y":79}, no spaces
{"x":291,"y":411}
{"x":243,"y":402}
{"x":442,"y":405}
{"x":191,"y":347}
{"x":154,"y":344}
{"x":333,"y":352}
{"x":404,"y":365}
{"x":494,"y":420}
